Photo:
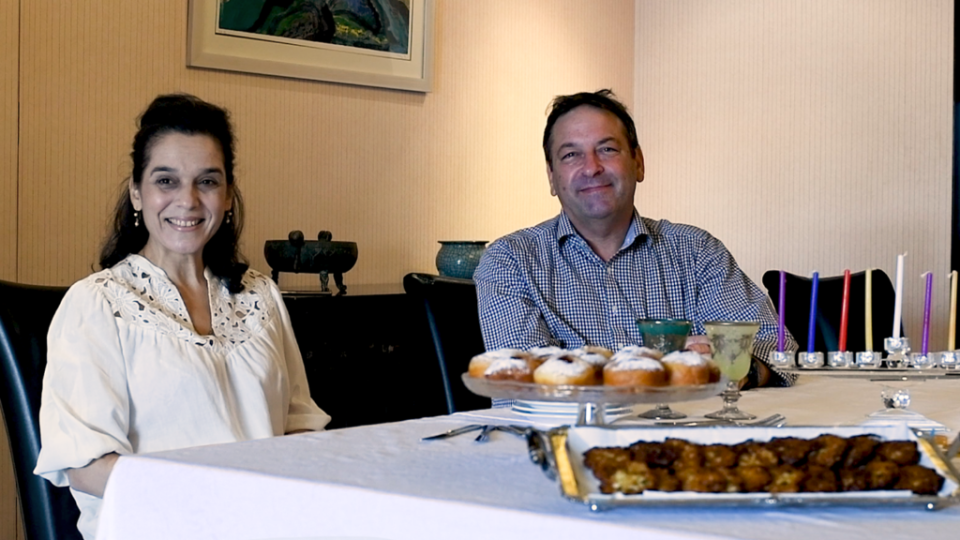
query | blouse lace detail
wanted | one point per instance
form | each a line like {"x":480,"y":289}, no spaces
{"x":140,"y":293}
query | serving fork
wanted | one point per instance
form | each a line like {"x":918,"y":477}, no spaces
{"x":776,"y":420}
{"x":484,"y":430}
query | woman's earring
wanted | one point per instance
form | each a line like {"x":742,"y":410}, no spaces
{"x":136,"y":219}
{"x":229,"y":217}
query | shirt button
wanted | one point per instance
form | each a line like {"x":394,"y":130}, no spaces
{"x":614,"y":309}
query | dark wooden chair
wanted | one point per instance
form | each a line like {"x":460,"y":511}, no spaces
{"x":367,"y":356}
{"x":450,"y":305}
{"x":49,"y":512}
{"x":829,"y":303}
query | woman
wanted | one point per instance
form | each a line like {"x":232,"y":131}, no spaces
{"x":175,"y":343}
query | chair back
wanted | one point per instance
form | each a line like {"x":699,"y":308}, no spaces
{"x":829,"y":309}
{"x":49,"y":512}
{"x":450,"y":305}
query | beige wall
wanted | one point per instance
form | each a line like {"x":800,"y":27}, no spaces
{"x":807,"y":135}
{"x":393,"y":171}
{"x":789,"y":129}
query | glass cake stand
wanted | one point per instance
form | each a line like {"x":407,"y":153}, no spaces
{"x":591,"y":399}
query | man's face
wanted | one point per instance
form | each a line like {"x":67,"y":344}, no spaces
{"x":594,"y":171}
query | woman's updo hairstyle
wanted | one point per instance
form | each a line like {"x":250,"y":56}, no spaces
{"x":189,"y":115}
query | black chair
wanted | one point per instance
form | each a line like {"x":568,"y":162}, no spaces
{"x":367,"y":357}
{"x":829,"y":308}
{"x":49,"y":512}
{"x":450,"y":305}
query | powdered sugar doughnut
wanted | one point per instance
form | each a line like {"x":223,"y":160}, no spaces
{"x":545,"y":352}
{"x":687,"y":367}
{"x":635,"y":371}
{"x":632,"y":351}
{"x":596,"y":357}
{"x":509,"y":369}
{"x":480,"y":363}
{"x":539,"y":355}
{"x":565,"y":369}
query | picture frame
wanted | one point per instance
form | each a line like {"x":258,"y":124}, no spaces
{"x":211,"y":46}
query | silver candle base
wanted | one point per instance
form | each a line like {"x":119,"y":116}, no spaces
{"x":950,"y":359}
{"x":898,"y":350}
{"x":840,"y":359}
{"x":869,"y":359}
{"x":810,"y":360}
{"x":923,"y":361}
{"x":782,"y":359}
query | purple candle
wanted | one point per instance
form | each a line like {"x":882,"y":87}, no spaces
{"x":924,"y":346}
{"x":813,"y":312}
{"x":781,"y":334}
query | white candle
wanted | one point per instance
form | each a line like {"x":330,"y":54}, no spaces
{"x":898,"y":303}
{"x":952,"y":330}
{"x":868,"y":312}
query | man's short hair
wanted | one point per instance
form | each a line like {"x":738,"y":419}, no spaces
{"x":604,"y":100}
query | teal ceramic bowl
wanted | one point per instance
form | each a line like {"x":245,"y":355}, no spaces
{"x":665,"y":335}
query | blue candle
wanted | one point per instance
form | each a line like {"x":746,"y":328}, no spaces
{"x":813,"y":312}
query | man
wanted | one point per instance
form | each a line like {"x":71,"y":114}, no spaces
{"x":586,"y":276}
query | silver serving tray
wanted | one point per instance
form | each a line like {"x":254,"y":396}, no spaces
{"x":560,"y":453}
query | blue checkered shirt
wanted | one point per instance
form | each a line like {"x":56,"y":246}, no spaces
{"x":545,"y":286}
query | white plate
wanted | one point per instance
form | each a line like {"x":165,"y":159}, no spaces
{"x":557,"y":409}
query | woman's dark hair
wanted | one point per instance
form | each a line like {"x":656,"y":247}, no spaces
{"x":189,"y":115}
{"x":604,"y":100}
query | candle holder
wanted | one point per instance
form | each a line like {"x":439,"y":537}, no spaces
{"x":898,"y":350}
{"x":923,"y":361}
{"x":810,"y":360}
{"x":895,"y":398}
{"x":840,"y":359}
{"x":782,"y":359}
{"x":869,"y":359}
{"x":950,"y":359}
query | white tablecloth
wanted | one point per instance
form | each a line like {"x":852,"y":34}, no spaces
{"x":381,"y":482}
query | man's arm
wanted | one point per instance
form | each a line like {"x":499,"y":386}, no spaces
{"x":509,"y":317}
{"x":724,"y":292}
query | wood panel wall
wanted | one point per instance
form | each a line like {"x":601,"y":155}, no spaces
{"x":9,"y":66}
{"x":805,"y":134}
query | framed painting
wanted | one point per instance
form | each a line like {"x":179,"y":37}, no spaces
{"x":383,"y":43}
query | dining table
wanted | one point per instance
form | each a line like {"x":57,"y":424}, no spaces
{"x":383,"y":482}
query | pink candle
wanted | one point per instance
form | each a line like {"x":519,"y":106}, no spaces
{"x":924,"y":347}
{"x":845,"y":311}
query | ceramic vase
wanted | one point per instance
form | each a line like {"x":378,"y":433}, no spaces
{"x":459,"y":258}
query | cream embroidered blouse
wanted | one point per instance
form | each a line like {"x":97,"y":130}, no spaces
{"x":126,"y":372}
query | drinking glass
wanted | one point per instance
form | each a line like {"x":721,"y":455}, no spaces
{"x":666,"y":336}
{"x":732,"y":343}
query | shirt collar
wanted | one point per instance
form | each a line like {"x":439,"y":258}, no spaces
{"x":637,"y":230}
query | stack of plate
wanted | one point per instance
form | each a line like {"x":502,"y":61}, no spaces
{"x":559,"y":409}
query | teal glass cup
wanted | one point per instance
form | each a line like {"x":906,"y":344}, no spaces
{"x":666,"y":336}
